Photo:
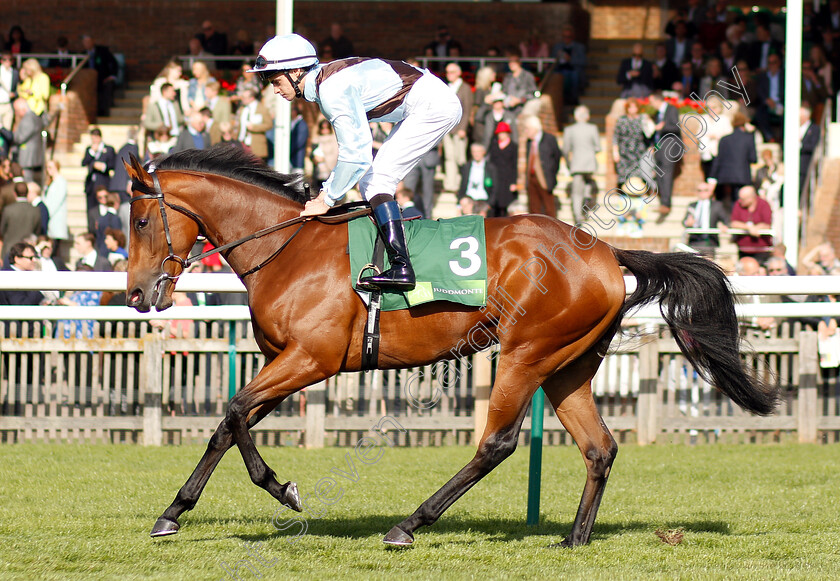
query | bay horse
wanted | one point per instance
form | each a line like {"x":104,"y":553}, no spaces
{"x":553,"y":318}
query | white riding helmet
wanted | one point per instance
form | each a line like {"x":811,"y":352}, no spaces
{"x":284,"y":53}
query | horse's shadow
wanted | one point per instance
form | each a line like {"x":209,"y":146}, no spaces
{"x":498,"y":529}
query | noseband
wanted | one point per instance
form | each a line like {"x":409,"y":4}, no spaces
{"x":157,"y":194}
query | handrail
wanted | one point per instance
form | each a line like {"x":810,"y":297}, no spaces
{"x":483,"y":60}
{"x":20,"y":57}
{"x":69,"y":78}
{"x":189,"y":59}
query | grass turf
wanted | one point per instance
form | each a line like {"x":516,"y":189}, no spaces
{"x":747,"y":512}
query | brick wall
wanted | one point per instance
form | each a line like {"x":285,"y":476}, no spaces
{"x":824,"y":224}
{"x":150,"y":32}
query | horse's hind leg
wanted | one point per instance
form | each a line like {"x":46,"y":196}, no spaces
{"x":189,"y":493}
{"x":570,"y":393}
{"x":507,"y":410}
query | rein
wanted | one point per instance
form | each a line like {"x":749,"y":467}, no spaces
{"x":157,"y":194}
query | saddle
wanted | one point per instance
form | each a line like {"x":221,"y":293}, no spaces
{"x":344,"y":213}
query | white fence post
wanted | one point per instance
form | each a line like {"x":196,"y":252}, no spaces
{"x":807,"y":396}
{"x":152,"y":386}
{"x":316,"y":413}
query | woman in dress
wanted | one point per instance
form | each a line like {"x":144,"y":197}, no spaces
{"x":629,"y":142}
{"x":196,"y":97}
{"x":55,"y":198}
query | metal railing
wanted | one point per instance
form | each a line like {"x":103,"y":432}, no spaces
{"x":46,"y":57}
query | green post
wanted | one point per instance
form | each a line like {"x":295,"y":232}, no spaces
{"x":535,"y":469}
{"x":231,"y":359}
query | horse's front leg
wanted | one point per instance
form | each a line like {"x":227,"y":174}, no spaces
{"x":189,"y":493}
{"x":287,"y":374}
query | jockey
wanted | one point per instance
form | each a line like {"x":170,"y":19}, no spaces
{"x":352,"y":92}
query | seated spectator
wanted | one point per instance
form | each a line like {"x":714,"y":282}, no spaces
{"x":697,"y":58}
{"x":161,"y":144}
{"x":339,"y":45}
{"x":195,"y":136}
{"x":17,"y":42}
{"x":244,"y":46}
{"x":212,"y":40}
{"x":219,"y":105}
{"x":196,"y":51}
{"x":80,"y":329}
{"x":665,"y":71}
{"x":752,"y":214}
{"x":688,"y":82}
{"x":441,"y":47}
{"x":405,"y":198}
{"x":705,"y":213}
{"x":712,"y":78}
{"x":173,"y":74}
{"x":470,"y":207}
{"x":821,"y":256}
{"x":227,"y":134}
{"x":245,"y":81}
{"x":518,"y":86}
{"x":196,"y":90}
{"x":115,"y":244}
{"x":85,"y":245}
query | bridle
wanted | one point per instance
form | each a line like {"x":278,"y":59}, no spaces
{"x":156,"y":193}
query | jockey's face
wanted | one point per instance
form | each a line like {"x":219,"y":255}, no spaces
{"x":282,"y":85}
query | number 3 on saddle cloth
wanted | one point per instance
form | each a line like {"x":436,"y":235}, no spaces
{"x":448,"y":256}
{"x":450,"y":264}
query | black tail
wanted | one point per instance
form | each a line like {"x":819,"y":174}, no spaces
{"x":697,"y":303}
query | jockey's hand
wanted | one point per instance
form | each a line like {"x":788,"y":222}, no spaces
{"x":316,"y":207}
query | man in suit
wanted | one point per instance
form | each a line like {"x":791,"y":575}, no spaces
{"x":570,"y":60}
{"x":689,"y":81}
{"x":405,"y":198}
{"x":22,"y":258}
{"x":455,"y":142}
{"x":809,"y":135}
{"x":731,"y":168}
{"x":635,"y":75}
{"x":770,"y":98}
{"x":666,"y":138}
{"x":120,"y":181}
{"x":424,"y":174}
{"x":101,"y":217}
{"x":543,"y":162}
{"x":20,"y":219}
{"x":763,"y":46}
{"x":254,"y":121}
{"x":581,"y":142}
{"x":477,"y":176}
{"x":705,"y":212}
{"x":28,"y":142}
{"x":165,"y":112}
{"x":100,"y":159}
{"x":679,"y":47}
{"x":101,"y":59}
{"x":195,"y":136}
{"x":219,"y":105}
{"x":9,"y":79}
{"x":665,"y":71}
{"x":85,"y":245}
{"x":814,"y":91}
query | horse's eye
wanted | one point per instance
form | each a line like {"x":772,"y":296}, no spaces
{"x":141,"y":223}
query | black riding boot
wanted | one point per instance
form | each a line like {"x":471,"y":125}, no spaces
{"x":400,"y":277}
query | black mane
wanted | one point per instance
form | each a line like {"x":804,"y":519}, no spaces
{"x":234,"y":162}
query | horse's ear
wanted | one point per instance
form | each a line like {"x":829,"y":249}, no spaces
{"x":135,"y":169}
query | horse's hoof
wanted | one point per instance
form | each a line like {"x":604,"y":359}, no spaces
{"x":291,"y":498}
{"x":397,"y":537}
{"x":165,"y":526}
